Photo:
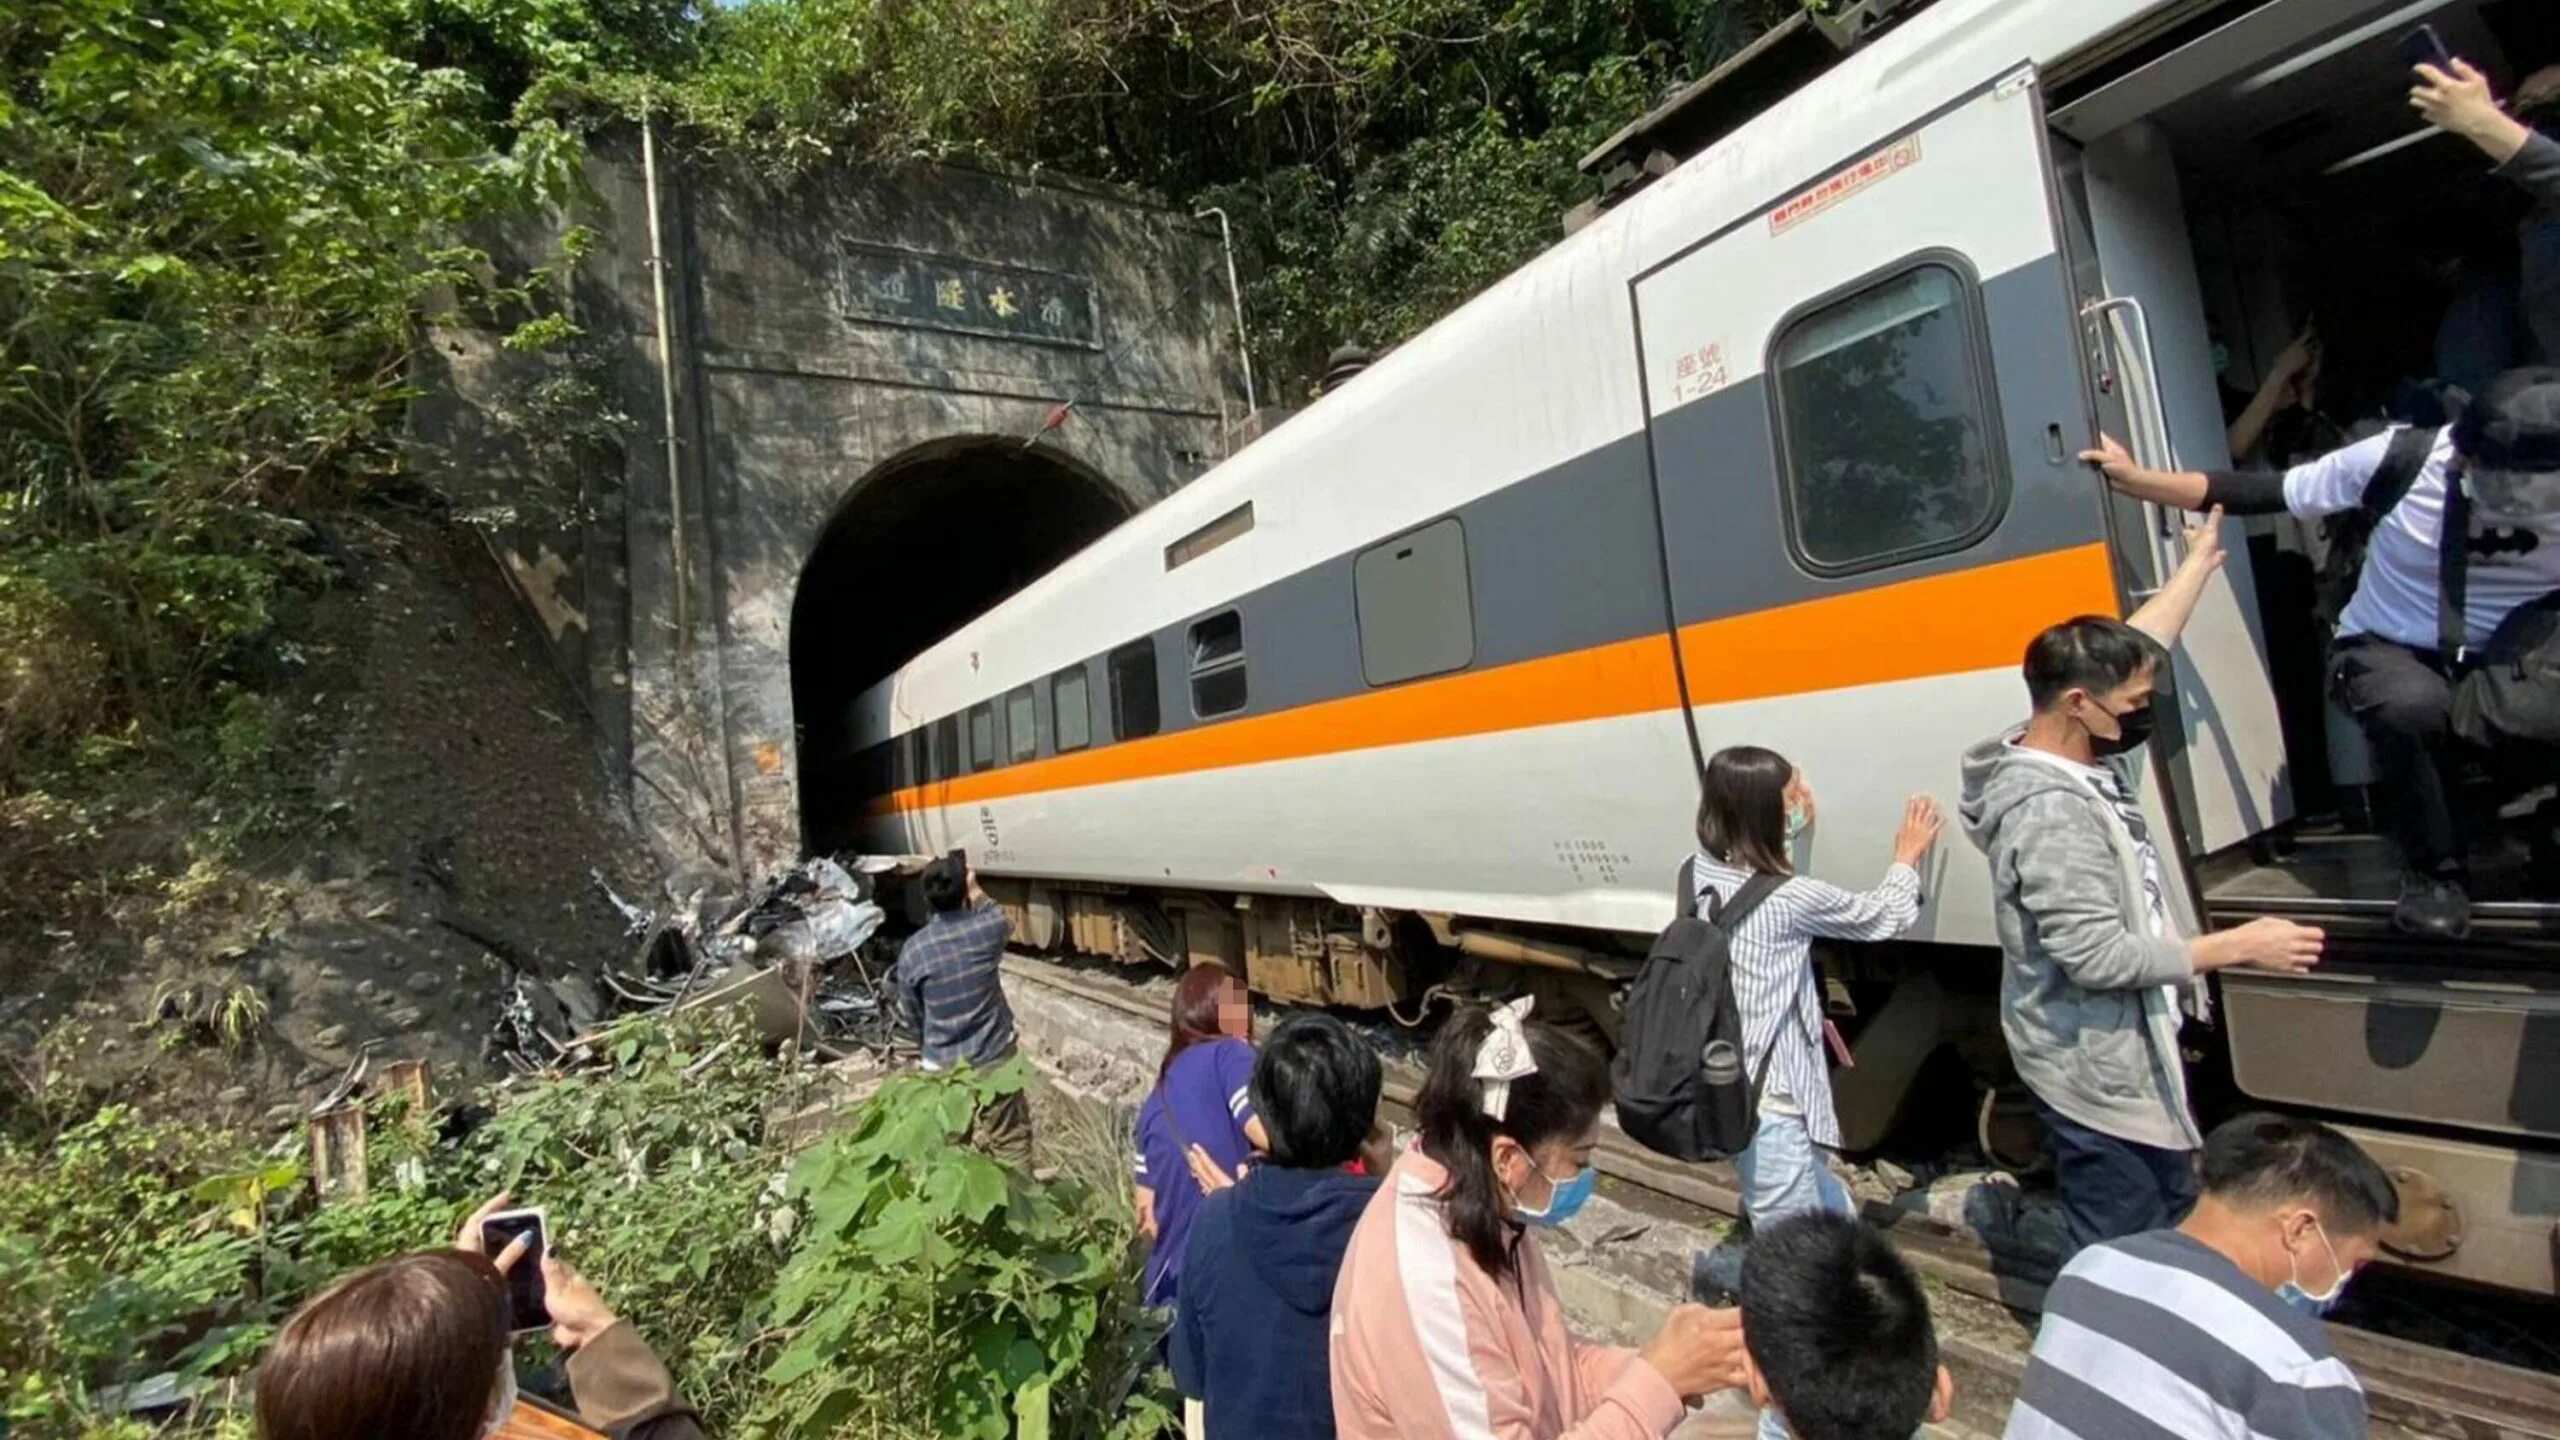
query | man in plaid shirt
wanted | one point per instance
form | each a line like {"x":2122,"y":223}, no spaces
{"x":947,"y":975}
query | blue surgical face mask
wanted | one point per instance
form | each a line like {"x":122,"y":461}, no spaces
{"x":1564,"y":1201}
{"x":1797,"y":819}
{"x":2315,"y":1305}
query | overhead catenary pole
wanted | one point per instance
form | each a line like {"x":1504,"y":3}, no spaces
{"x":1235,"y":297}
{"x":666,"y":381}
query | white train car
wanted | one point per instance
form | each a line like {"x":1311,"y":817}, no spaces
{"x":1780,"y":451}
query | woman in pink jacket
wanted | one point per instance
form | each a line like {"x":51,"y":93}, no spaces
{"x":1446,"y":1321}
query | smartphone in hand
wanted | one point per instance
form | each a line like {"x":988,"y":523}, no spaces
{"x":527,"y":1310}
{"x":2423,"y":46}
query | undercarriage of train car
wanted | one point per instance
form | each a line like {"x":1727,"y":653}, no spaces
{"x":1922,"y":1021}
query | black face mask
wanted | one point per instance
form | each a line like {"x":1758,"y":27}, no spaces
{"x":2133,"y":731}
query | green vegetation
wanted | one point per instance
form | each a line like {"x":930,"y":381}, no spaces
{"x":222,"y":223}
{"x":891,"y":1282}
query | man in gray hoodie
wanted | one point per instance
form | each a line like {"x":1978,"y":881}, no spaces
{"x":2092,"y":960}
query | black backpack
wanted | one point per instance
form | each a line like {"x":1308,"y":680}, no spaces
{"x":1682,"y":1089}
{"x":2506,"y":693}
{"x":2350,"y":532}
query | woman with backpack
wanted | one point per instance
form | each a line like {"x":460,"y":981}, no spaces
{"x":1754,"y":807}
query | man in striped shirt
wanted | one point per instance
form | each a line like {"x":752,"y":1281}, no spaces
{"x":2211,"y":1331}
{"x":949,"y":975}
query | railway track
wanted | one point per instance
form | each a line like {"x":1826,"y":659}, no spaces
{"x":2414,"y":1389}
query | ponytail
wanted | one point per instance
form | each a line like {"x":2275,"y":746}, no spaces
{"x":1561,"y":1099}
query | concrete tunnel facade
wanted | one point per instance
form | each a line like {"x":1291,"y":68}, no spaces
{"x":865,"y":372}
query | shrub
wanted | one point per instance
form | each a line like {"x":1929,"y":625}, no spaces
{"x":938,"y":1292}
{"x":895,"y":1283}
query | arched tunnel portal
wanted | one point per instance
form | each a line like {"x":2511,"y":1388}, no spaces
{"x":928,"y":541}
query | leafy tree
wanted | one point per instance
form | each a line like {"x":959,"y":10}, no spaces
{"x":221,"y":224}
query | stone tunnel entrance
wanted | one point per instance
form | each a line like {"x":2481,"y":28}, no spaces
{"x":927,"y":542}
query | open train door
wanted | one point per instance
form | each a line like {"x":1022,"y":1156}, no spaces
{"x":2147,"y":348}
{"x":1865,"y":404}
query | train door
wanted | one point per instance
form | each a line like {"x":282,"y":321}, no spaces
{"x":2144,"y":331}
{"x":1865,"y":404}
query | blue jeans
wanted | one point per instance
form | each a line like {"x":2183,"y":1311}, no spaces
{"x":1782,"y":1175}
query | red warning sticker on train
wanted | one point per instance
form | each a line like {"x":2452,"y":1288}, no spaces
{"x":1899,"y":156}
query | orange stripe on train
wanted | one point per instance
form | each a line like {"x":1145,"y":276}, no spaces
{"x":1968,"y":620}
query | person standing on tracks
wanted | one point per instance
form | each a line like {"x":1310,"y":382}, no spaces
{"x":2092,"y":961}
{"x":1197,"y":1128}
{"x":1447,"y":1324}
{"x":2212,"y":1329}
{"x":950,"y":976}
{"x":1250,"y":1334}
{"x":1755,"y":804}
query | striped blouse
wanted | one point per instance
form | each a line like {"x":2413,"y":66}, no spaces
{"x":1773,"y":982}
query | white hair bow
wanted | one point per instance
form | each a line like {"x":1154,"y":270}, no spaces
{"x":1504,"y":1056}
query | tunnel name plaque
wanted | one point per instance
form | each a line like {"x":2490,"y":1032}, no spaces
{"x":915,"y":288}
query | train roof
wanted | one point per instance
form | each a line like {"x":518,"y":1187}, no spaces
{"x":1536,"y":369}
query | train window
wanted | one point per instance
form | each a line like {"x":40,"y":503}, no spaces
{"x":946,"y":747}
{"x":1070,"y":712}
{"x":1134,"y":708}
{"x":1022,"y":739}
{"x":1885,"y":437}
{"x":1411,"y":594}
{"x":982,"y":737}
{"x":1217,"y":665}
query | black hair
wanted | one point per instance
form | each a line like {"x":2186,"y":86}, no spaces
{"x":1839,"y":1329}
{"x":1562,"y":1100}
{"x":2261,"y":1159}
{"x":1315,"y":1085}
{"x":1742,"y":808}
{"x":946,"y":884}
{"x":2092,"y":653}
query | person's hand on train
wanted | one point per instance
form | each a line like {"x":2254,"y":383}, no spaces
{"x":2112,"y":459}
{"x":2458,"y":102}
{"x":1698,"y":1350}
{"x":2266,"y":944}
{"x":1921,"y":822}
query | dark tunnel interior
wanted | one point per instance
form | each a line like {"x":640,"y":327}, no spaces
{"x":928,"y":542}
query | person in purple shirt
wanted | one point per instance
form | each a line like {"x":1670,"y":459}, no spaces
{"x":1197,"y":1129}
